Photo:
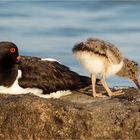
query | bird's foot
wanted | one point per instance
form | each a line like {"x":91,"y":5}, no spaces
{"x":116,"y":93}
{"x":98,"y":95}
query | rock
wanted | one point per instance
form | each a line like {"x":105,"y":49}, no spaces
{"x":76,"y":116}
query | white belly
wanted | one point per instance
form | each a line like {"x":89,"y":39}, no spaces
{"x":98,"y":65}
{"x":113,"y":69}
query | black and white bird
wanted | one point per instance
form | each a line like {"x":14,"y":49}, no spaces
{"x":35,"y":75}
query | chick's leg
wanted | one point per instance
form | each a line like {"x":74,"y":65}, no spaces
{"x":109,"y":92}
{"x":93,"y":79}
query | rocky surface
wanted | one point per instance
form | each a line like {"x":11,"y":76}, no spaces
{"x":76,"y":116}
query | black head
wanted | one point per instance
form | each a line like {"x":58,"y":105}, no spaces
{"x":8,"y":53}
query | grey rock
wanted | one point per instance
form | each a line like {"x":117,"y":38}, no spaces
{"x":76,"y":116}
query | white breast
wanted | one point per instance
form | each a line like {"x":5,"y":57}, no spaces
{"x":113,"y":69}
{"x":92,"y":63}
{"x":16,"y":89}
{"x":97,"y":64}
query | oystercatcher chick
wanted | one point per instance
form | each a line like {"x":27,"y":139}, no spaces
{"x":103,"y":58}
{"x":35,"y":75}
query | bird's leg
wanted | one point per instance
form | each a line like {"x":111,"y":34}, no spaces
{"x":110,"y":93}
{"x":93,"y":79}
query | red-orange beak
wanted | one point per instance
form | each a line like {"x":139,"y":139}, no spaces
{"x":18,"y":58}
{"x":137,"y":83}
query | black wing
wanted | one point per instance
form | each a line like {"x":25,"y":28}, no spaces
{"x":50,"y":76}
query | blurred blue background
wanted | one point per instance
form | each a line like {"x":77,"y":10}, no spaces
{"x":51,"y":28}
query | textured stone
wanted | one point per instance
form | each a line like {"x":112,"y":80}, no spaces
{"x":76,"y":116}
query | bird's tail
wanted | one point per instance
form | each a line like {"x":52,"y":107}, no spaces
{"x":86,"y":81}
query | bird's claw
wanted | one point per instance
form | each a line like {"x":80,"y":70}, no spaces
{"x":116,"y":93}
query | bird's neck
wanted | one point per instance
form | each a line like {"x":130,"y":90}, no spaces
{"x":124,"y":71}
{"x":6,"y":63}
{"x":8,"y":73}
{"x":121,"y":72}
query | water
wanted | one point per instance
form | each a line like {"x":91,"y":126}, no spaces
{"x":51,"y":28}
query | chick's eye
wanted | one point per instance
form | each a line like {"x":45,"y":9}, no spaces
{"x":133,"y":72}
{"x":12,"y":50}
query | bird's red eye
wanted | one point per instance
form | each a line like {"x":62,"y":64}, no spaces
{"x":12,"y":50}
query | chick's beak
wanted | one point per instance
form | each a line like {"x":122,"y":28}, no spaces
{"x":137,"y":83}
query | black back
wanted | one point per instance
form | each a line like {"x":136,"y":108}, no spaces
{"x":49,"y":76}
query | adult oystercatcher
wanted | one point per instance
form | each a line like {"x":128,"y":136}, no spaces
{"x":35,"y":75}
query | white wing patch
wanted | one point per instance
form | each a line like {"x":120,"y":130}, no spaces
{"x":16,"y":89}
{"x":50,"y":59}
{"x":57,"y":94}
